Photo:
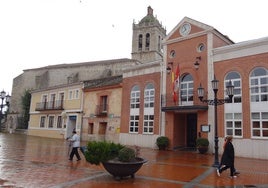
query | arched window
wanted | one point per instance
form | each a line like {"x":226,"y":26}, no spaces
{"x":233,"y":112}
{"x":140,"y":43}
{"x":134,"y":109}
{"x":186,"y":89}
{"x":259,"y":98}
{"x":149,"y":96}
{"x":135,"y":97}
{"x":147,"y":44}
{"x":235,"y":78}
{"x":259,"y":85}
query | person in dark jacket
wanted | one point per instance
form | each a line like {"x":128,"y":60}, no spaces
{"x":221,"y":165}
{"x":227,"y":160}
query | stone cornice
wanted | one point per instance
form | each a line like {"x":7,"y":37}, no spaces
{"x":242,"y":49}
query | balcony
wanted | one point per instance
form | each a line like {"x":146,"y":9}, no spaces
{"x":102,"y":110}
{"x":182,"y":104}
{"x":50,"y":105}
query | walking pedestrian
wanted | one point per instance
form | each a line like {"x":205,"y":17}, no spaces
{"x":227,"y":160}
{"x":75,"y":140}
{"x":222,"y":165}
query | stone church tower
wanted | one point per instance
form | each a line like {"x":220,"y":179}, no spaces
{"x":147,"y":39}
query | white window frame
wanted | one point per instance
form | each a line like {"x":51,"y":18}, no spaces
{"x":59,"y":122}
{"x":42,"y":123}
{"x":135,"y":98}
{"x":73,"y":94}
{"x":49,"y":121}
{"x":149,"y":96}
{"x":237,"y":86}
{"x":262,"y":119}
{"x":148,"y":124}
{"x":256,"y":86}
{"x":233,"y":119}
{"x":134,"y":124}
{"x":187,"y":91}
{"x":134,"y":109}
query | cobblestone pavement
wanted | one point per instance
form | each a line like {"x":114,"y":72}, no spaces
{"x":27,"y":161}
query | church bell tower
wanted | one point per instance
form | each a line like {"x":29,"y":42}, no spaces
{"x":147,"y":39}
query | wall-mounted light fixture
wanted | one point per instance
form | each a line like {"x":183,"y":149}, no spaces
{"x":169,"y":67}
{"x":196,"y":64}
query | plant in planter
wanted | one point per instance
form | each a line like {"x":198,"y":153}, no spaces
{"x":202,"y":145}
{"x":120,"y":161}
{"x":162,"y":142}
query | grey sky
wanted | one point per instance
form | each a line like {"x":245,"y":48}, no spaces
{"x":36,"y":33}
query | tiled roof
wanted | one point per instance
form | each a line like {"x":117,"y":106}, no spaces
{"x":108,"y":81}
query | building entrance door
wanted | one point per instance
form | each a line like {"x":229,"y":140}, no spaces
{"x":191,"y":130}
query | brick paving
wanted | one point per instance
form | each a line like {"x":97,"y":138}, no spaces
{"x":27,"y":161}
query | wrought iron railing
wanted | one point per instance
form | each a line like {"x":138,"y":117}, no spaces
{"x":102,"y":110}
{"x":50,"y":105}
{"x":168,"y":100}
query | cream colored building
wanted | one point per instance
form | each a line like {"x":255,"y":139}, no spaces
{"x":55,"y":112}
{"x":50,"y":76}
{"x":102,"y":109}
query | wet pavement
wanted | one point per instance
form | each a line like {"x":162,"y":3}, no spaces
{"x":27,"y":161}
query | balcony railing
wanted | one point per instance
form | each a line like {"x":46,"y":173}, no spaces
{"x":50,"y":105}
{"x":168,"y":100}
{"x":102,"y":110}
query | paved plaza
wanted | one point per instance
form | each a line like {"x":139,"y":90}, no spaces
{"x":30,"y":162}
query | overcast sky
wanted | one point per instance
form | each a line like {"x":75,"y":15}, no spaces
{"x":37,"y":33}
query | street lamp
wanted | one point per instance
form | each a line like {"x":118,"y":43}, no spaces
{"x":215,"y":102}
{"x":7,"y":97}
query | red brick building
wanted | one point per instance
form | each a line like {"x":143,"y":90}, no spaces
{"x":193,"y":55}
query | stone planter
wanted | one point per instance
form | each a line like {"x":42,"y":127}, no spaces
{"x":123,"y":169}
{"x":202,"y":149}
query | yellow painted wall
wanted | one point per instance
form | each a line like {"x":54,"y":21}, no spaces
{"x":72,"y":107}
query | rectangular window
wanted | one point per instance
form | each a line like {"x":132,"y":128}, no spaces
{"x":134,"y":124}
{"x":42,"y":121}
{"x":59,"y":122}
{"x":148,"y":125}
{"x":61,"y":100}
{"x":90,"y":128}
{"x":52,"y":102}
{"x":76,"y":94}
{"x":70,"y":95}
{"x":50,"y":121}
{"x":259,"y":123}
{"x":259,"y":89}
{"x":104,"y":103}
{"x":73,"y":94}
{"x":233,"y":124}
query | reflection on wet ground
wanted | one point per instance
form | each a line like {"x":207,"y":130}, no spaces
{"x":27,"y":161}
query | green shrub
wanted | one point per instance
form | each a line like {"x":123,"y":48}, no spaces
{"x":162,"y":142}
{"x":202,"y":142}
{"x":101,"y":151}
{"x":126,"y":154}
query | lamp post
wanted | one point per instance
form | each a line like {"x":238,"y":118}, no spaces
{"x":7,"y":100}
{"x":215,"y":102}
